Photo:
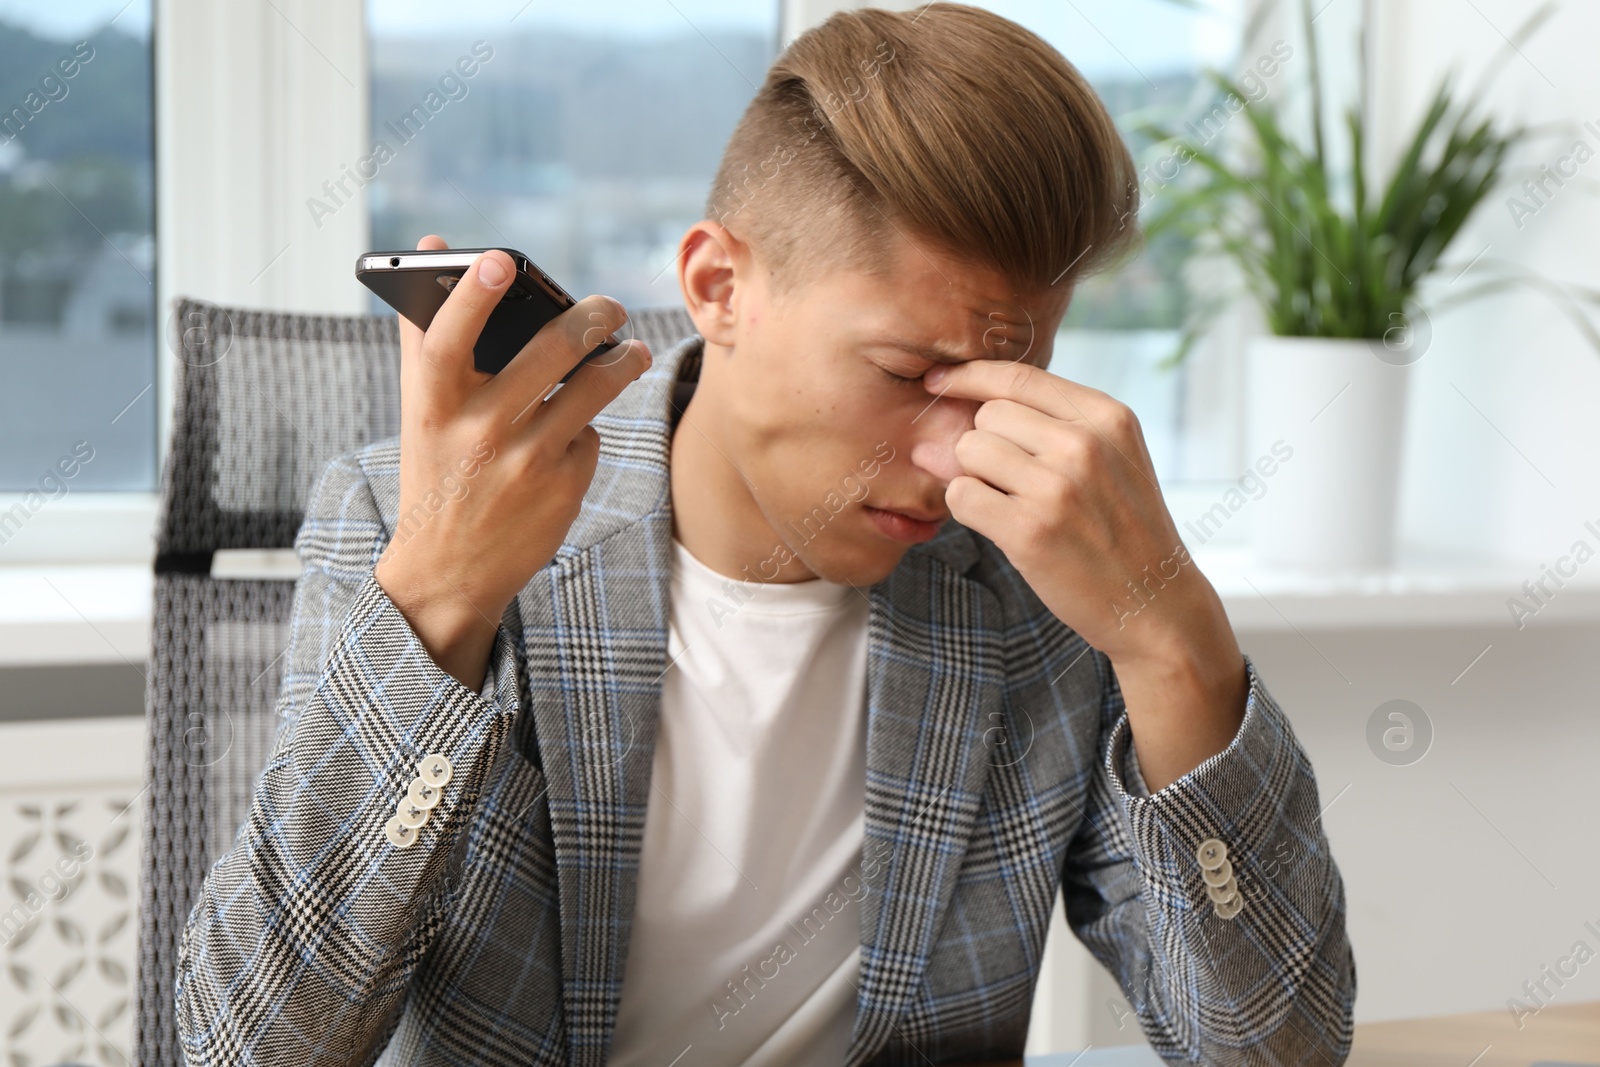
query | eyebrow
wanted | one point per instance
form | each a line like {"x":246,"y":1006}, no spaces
{"x":928,"y":352}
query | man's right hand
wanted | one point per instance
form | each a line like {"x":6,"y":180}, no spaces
{"x":492,"y":476}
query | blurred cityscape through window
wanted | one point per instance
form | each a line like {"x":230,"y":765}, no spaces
{"x":77,"y":252}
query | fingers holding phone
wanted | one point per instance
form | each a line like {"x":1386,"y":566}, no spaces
{"x":489,"y":486}
{"x":412,"y":333}
{"x":556,"y":351}
{"x":450,"y":339}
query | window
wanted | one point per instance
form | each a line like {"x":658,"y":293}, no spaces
{"x":586,"y":135}
{"x":77,"y":263}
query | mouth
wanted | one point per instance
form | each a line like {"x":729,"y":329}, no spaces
{"x":913,"y":526}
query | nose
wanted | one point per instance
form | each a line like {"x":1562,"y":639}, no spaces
{"x":938,"y":428}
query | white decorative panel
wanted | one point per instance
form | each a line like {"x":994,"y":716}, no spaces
{"x":69,"y":838}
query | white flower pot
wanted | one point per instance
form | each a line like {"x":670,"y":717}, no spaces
{"x":1336,"y":407}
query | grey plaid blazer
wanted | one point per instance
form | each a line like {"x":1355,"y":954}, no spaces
{"x":997,"y":777}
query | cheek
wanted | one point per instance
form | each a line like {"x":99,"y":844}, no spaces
{"x":809,"y":406}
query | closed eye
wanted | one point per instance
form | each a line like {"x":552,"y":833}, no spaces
{"x":913,"y":380}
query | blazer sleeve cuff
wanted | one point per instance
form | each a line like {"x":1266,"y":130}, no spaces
{"x":1237,"y":796}
{"x":382,"y":709}
{"x":394,"y":672}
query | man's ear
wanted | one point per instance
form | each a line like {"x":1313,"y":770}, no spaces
{"x":712,"y":263}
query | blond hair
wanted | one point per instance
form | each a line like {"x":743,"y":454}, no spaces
{"x":952,"y":124}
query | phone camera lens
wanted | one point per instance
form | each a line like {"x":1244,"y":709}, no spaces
{"x":394,"y":261}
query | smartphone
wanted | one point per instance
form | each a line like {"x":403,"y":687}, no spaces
{"x":416,"y":283}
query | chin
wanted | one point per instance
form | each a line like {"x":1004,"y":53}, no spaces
{"x":857,"y":564}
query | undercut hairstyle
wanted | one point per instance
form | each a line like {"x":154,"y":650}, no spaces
{"x":953,"y":125}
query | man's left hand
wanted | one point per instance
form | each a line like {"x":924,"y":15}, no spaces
{"x":1058,"y":476}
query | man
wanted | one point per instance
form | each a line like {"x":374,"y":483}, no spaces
{"x":764,"y":723}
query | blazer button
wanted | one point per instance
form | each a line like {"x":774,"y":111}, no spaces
{"x":1218,"y":875}
{"x":435,"y":770}
{"x":410,"y":815}
{"x":1228,"y":909}
{"x":1221,"y":894}
{"x":399,"y":835}
{"x":1211,"y":854}
{"x":423,"y":795}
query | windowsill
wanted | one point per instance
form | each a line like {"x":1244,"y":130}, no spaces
{"x":75,"y":613}
{"x":100,"y":613}
{"x":1425,"y":588}
{"x":92,"y":527}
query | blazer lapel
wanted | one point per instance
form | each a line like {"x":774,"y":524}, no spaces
{"x":594,"y":634}
{"x":596,"y":648}
{"x":933,"y":687}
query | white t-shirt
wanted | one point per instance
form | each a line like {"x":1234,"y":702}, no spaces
{"x":746,"y":936}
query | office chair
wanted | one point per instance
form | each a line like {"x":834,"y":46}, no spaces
{"x":263,"y":400}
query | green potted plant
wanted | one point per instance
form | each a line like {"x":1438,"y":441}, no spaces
{"x":1339,"y":274}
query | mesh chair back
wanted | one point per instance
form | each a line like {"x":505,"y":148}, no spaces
{"x":263,"y":401}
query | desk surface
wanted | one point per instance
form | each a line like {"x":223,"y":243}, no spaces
{"x":1559,"y":1036}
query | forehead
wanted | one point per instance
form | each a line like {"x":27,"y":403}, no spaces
{"x":948,"y":309}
